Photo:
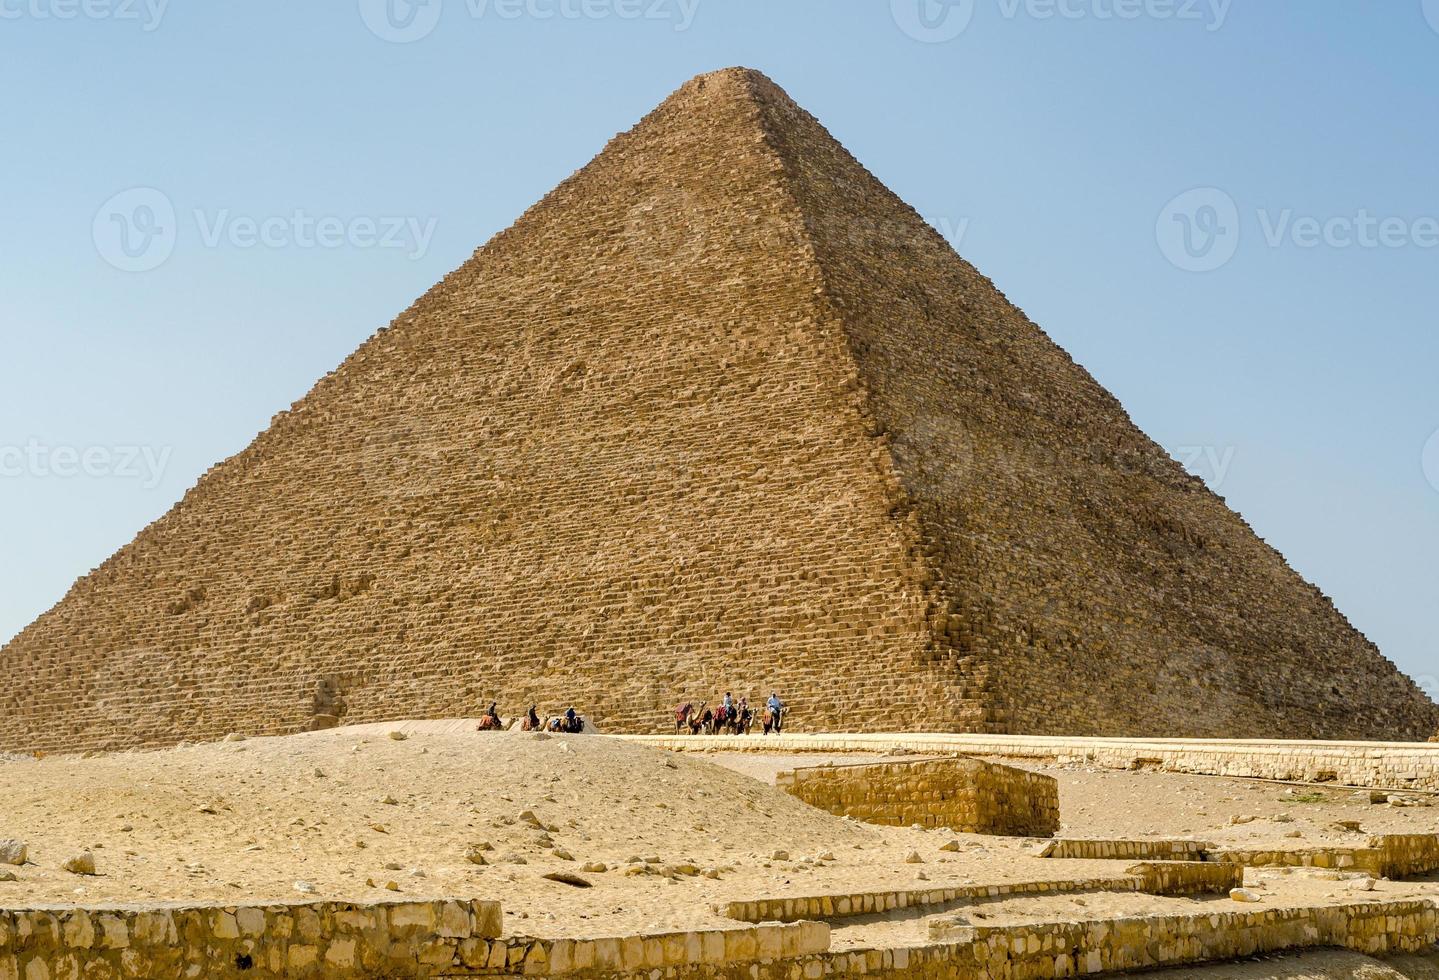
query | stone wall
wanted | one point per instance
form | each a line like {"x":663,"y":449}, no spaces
{"x":1382,"y":765}
{"x":1388,"y":856}
{"x":1066,"y":949}
{"x":965,"y":795}
{"x":1085,"y":849}
{"x":719,"y":413}
{"x":329,"y":940}
{"x":1160,"y":878}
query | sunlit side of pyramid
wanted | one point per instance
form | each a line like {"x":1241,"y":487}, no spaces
{"x":719,"y":413}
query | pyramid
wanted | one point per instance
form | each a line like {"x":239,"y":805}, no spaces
{"x":719,"y":413}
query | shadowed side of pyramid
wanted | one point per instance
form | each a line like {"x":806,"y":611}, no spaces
{"x":1106,"y":590}
{"x":616,"y":460}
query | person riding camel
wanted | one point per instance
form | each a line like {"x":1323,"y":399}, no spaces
{"x":572,"y":723}
{"x":776,"y":710}
{"x":534,"y":717}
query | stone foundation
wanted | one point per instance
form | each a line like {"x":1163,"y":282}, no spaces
{"x":1067,"y":949}
{"x":330,"y":940}
{"x":964,"y":795}
{"x":1399,"y":766}
{"x":1177,"y":878}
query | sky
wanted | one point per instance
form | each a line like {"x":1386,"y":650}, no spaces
{"x":1226,"y":211}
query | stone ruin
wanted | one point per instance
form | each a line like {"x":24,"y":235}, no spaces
{"x":720,"y":412}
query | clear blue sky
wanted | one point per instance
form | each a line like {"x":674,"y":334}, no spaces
{"x":1049,"y":137}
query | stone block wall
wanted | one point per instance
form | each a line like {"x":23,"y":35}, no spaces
{"x":1382,"y":765}
{"x":1067,"y":949}
{"x":965,"y":795}
{"x":329,"y":940}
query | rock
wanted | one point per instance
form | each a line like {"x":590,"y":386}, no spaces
{"x":779,"y":856}
{"x":1400,"y":801}
{"x":209,"y":808}
{"x":8,"y":876}
{"x":398,"y":736}
{"x":1245,"y":895}
{"x":393,"y":866}
{"x":305,"y":888}
{"x":1352,"y":826}
{"x":81,"y":864}
{"x":389,"y":800}
{"x":476,"y":855}
{"x":914,"y":858}
{"x":565,"y":878}
{"x":1241,"y":819}
{"x":15,"y":852}
{"x":950,"y":846}
{"x":1294,"y":834}
{"x":829,"y":855}
{"x":530,"y":818}
{"x":234,"y":737}
{"x":595,"y":868}
{"x":563,"y":854}
{"x":1370,"y":796}
{"x":393,"y":886}
{"x":1283,"y":818}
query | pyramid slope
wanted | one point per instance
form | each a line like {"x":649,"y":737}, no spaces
{"x":718,"y":412}
{"x":614,"y":460}
{"x":1097,"y":587}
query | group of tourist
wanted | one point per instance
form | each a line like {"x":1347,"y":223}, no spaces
{"x":569,"y":723}
{"x":733,"y":717}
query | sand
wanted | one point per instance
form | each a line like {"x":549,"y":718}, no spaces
{"x":247,"y":820}
{"x":1102,"y":803}
{"x":351,"y":811}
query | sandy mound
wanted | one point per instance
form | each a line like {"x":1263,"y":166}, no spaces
{"x":250,"y":818}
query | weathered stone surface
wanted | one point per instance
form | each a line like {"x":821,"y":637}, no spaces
{"x":720,"y":410}
{"x":966,"y":795}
